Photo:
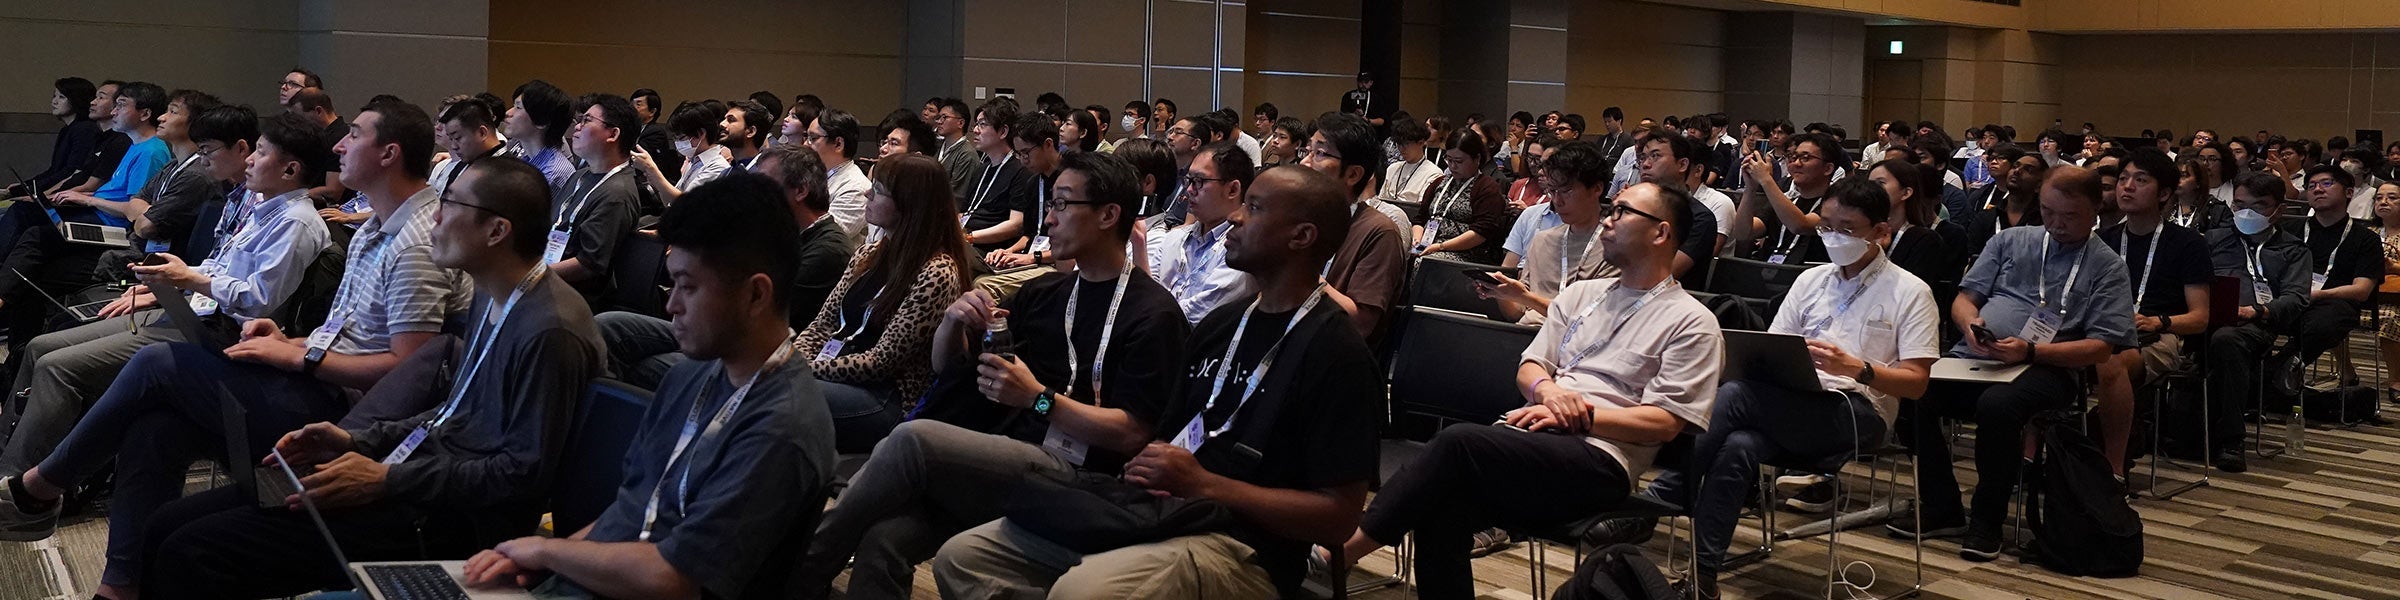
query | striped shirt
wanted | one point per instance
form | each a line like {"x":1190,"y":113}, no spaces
{"x":391,"y":284}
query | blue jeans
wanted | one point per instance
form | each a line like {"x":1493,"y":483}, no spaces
{"x":862,"y":414}
{"x":163,"y":413}
{"x":1755,"y":423}
{"x":641,"y":348}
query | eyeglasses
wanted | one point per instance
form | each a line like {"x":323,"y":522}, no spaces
{"x":889,"y":142}
{"x":1804,"y":157}
{"x":1619,"y":210}
{"x":1193,"y":181}
{"x":1056,"y":204}
{"x":811,"y":138}
{"x":289,"y":85}
{"x":1320,"y":154}
{"x":2208,"y":158}
{"x":2322,"y":184}
{"x":585,"y":119}
{"x":1827,"y":227}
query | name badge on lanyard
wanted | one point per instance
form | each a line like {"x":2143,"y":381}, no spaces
{"x":2316,"y":282}
{"x":1041,"y":243}
{"x":154,"y":246}
{"x":322,"y":338}
{"x":1074,"y":451}
{"x":556,"y":250}
{"x":2042,"y":328}
{"x":1433,"y":226}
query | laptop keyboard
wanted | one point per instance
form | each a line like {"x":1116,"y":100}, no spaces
{"x":414,"y":582}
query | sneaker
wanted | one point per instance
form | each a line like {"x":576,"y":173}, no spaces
{"x":1979,"y":546}
{"x":20,"y":525}
{"x":1792,"y":484}
{"x":1904,"y":526}
{"x":1630,"y":530}
{"x":1489,"y":542}
{"x":1683,"y":589}
{"x":1816,"y":498}
{"x":2232,"y":461}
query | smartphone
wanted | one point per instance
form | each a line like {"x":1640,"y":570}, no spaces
{"x":1484,"y":276}
{"x":1765,"y":146}
{"x":153,"y":259}
{"x":1983,"y":335}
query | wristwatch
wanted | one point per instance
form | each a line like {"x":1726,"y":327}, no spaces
{"x":1866,"y":373}
{"x":310,"y":360}
{"x":1041,"y":403}
{"x":2166,"y":322}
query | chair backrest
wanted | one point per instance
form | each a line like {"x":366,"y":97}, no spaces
{"x":203,"y":240}
{"x":1752,"y":278}
{"x":595,"y":460}
{"x":312,"y":301}
{"x":2224,"y":300}
{"x":1443,"y":283}
{"x":641,"y":261}
{"x":1457,"y":366}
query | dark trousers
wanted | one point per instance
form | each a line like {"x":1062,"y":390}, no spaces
{"x":162,"y":413}
{"x":1753,"y":424}
{"x":2235,"y":363}
{"x":2000,"y":413}
{"x":1474,"y":477}
{"x":2324,"y":325}
{"x":219,"y":544}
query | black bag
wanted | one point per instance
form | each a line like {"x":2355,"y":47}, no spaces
{"x":2345,"y":405}
{"x":1617,"y":572}
{"x":1733,"y":312}
{"x":1096,"y":512}
{"x":2081,"y":523}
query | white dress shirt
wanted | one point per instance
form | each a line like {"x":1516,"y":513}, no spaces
{"x":1191,"y":264}
{"x":1892,"y":319}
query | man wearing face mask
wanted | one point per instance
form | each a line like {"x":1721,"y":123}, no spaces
{"x":2274,"y":269}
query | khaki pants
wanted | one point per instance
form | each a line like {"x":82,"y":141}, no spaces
{"x":1001,"y":560}
{"x":1005,"y":284}
{"x":2162,"y":356}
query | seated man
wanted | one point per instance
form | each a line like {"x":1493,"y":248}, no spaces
{"x":721,"y":512}
{"x":2042,"y":296}
{"x":1364,"y":278}
{"x":642,"y":348}
{"x":393,"y":299}
{"x":252,"y":274}
{"x":45,"y":263}
{"x":1283,"y":438}
{"x":2168,"y":264}
{"x":2346,"y":260}
{"x":936,"y":475}
{"x":1191,"y":260}
{"x":2275,"y":272}
{"x":597,"y":208}
{"x":1573,"y":178}
{"x":1625,"y":365}
{"x":1872,"y":335}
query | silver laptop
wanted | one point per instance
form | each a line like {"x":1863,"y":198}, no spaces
{"x":417,"y":580}
{"x":1973,"y":370}
{"x":1777,"y":359}
{"x":84,"y":313}
{"x":82,"y":233}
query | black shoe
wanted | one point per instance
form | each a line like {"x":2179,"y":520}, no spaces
{"x":2231,"y":461}
{"x":1816,"y":498}
{"x":1684,"y":588}
{"x":1631,"y":530}
{"x":1904,"y":526}
{"x":1979,"y":546}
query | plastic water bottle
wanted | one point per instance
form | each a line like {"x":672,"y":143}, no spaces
{"x":2295,"y":431}
{"x":996,"y":339}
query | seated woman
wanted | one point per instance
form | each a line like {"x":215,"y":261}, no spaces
{"x":868,"y":344}
{"x":1466,"y":212}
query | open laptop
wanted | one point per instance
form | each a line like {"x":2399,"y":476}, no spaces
{"x":195,"y":330}
{"x":1777,"y":359}
{"x":79,"y":232}
{"x":1975,"y":370}
{"x":414,"y":580}
{"x":83,"y":313}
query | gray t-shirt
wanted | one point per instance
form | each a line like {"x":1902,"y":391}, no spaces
{"x":600,"y":207}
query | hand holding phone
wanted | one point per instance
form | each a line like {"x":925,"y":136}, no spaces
{"x":1983,"y":335}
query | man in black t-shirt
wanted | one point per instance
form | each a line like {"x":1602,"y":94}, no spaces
{"x":995,"y":208}
{"x":2347,"y":259}
{"x":990,"y":422}
{"x":1275,"y":424}
{"x":2170,"y":269}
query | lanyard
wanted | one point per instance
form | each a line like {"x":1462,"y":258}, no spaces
{"x":1576,"y":324}
{"x":1898,"y":234}
{"x":1108,"y":329}
{"x":1259,"y":374}
{"x":187,"y":161}
{"x":2258,"y":268}
{"x":1785,"y":240}
{"x":1449,"y":199}
{"x":2125,"y":240}
{"x":1865,"y":280}
{"x":376,"y":240}
{"x":983,"y":185}
{"x":693,"y":433}
{"x":2305,"y":232}
{"x":570,"y":211}
{"x":864,"y":319}
{"x":1407,"y":177}
{"x":458,"y":390}
{"x":2065,"y":292}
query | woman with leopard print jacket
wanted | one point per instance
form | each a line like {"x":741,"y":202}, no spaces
{"x":868,"y":344}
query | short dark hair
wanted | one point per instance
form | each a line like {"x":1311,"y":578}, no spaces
{"x":225,"y":124}
{"x":1825,"y":143}
{"x":305,"y":100}
{"x":1574,"y":122}
{"x":1407,"y":130}
{"x":800,"y":168}
{"x":79,"y":93}
{"x":920,"y":135}
{"x":704,"y":120}
{"x":1292,"y":127}
{"x":2007,"y":153}
{"x":406,"y":125}
{"x":515,"y":190}
{"x":1035,"y":129}
{"x":546,"y":107}
{"x":193,"y":101}
{"x":2339,"y":176}
{"x":756,"y":117}
{"x":307,"y":78}
{"x":1170,"y":105}
{"x":301,"y":140}
{"x":615,"y":113}
{"x":1522,"y":118}
{"x":1268,"y":109}
{"x":1611,"y":113}
{"x":957,"y":106}
{"x":1677,"y":212}
{"x":146,"y":96}
{"x":1140,"y":108}
{"x":1109,"y":180}
{"x":839,"y":125}
{"x":1862,"y":194}
{"x":767,"y":99}
{"x":1000,"y":112}
{"x":1232,"y":162}
{"x":650,"y":97}
{"x":1220,"y":125}
{"x":471,"y":113}
{"x":2260,"y":184}
{"x":2154,"y":162}
{"x":1678,"y":147}
{"x":1468,"y":141}
{"x":1151,"y":159}
{"x":738,"y":225}
{"x":1578,"y":161}
{"x":1355,"y":139}
{"x":1089,"y":125}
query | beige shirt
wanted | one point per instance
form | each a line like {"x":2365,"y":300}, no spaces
{"x":1623,"y":353}
{"x":1542,"y":271}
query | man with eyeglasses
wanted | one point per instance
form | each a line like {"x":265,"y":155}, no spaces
{"x":1034,"y":139}
{"x":2347,"y":262}
{"x":1184,"y":139}
{"x":2169,"y":266}
{"x":1190,"y":260}
{"x":293,"y":81}
{"x":1791,"y":219}
{"x":1365,"y":273}
{"x":1098,"y":353}
{"x":2012,"y":200}
{"x":833,"y":135}
{"x":959,"y":153}
{"x":1572,"y":177}
{"x":597,"y":208}
{"x":1624,"y":365}
{"x":2277,"y":273}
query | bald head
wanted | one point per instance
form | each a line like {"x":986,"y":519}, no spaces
{"x":1290,"y":213}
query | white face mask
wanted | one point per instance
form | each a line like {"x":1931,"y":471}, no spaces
{"x":683,"y":147}
{"x":2249,"y":222}
{"x":1125,"y":122}
{"x":1843,"y":248}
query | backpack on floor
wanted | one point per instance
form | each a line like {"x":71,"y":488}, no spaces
{"x":1617,"y":572}
{"x":2081,"y":524}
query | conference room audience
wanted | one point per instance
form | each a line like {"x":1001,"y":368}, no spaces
{"x":1190,"y":260}
{"x":725,"y":511}
{"x":880,"y":317}
{"x":1095,"y":361}
{"x":2170,"y":296}
{"x":1275,"y":422}
{"x":160,"y":217}
{"x":1466,"y":212}
{"x":1606,"y":384}
{"x":474,"y":468}
{"x":697,"y":129}
{"x":1364,"y":276}
{"x":78,"y":138}
{"x":1573,"y":177}
{"x":2046,"y":297}
{"x":134,"y":112}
